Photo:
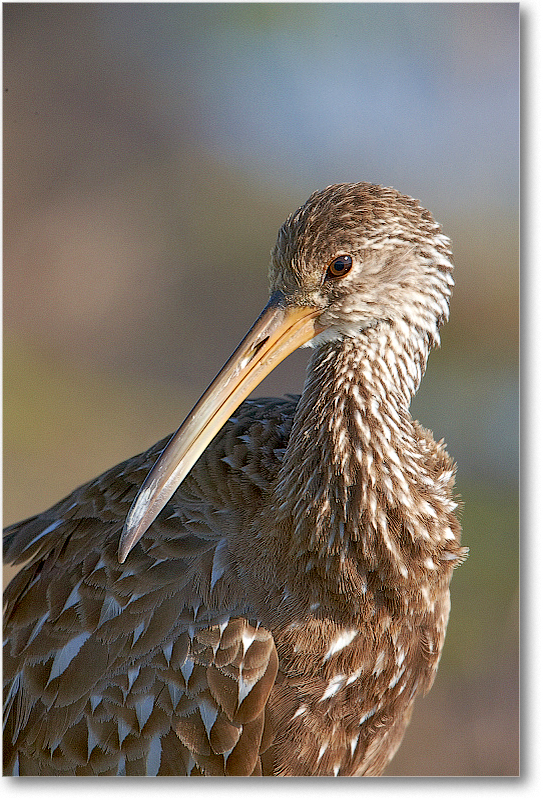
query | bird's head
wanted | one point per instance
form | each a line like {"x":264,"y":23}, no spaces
{"x":353,"y":257}
{"x":366,"y":256}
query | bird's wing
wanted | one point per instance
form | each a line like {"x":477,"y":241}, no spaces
{"x":158,"y":665}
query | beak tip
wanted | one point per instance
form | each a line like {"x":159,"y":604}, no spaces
{"x":125,"y":545}
{"x":133,"y":528}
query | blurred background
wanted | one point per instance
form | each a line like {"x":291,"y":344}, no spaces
{"x":151,"y":152}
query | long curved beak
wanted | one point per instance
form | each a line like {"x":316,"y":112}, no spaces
{"x":279,"y":330}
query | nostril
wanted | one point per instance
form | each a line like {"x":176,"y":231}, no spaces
{"x":259,"y":345}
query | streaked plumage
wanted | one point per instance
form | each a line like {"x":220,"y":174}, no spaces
{"x":290,"y":599}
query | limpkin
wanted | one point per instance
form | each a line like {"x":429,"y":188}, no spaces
{"x":280,"y":591}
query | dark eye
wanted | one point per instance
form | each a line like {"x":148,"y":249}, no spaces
{"x":338,"y":267}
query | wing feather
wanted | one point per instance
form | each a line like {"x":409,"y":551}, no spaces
{"x":142,"y":668}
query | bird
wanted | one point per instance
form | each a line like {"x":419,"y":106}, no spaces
{"x":266,"y":592}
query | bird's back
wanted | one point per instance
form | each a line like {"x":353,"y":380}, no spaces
{"x":96,"y":669}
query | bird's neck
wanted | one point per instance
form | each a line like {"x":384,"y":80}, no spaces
{"x":350,"y":482}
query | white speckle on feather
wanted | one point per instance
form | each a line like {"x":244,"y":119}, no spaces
{"x":368,"y":715}
{"x":342,"y":640}
{"x":322,"y":751}
{"x":53,"y":526}
{"x":167,"y":650}
{"x":101,"y":564}
{"x":110,"y":609}
{"x":132,"y":673}
{"x":138,"y":630}
{"x":186,"y":669}
{"x":66,"y":654}
{"x":95,"y":700}
{"x":144,"y":708}
{"x":73,"y":598}
{"x":333,"y":687}
{"x":354,"y":742}
{"x":247,"y":638}
{"x":154,"y":756}
{"x":425,"y":592}
{"x":92,"y":740}
{"x":427,"y":509}
{"x":37,"y":628}
{"x":176,"y":693}
{"x":208,"y":714}
{"x":352,"y":678}
{"x":244,"y":687}
{"x":403,"y":570}
{"x":219,"y":562}
{"x":123,"y":729}
{"x":379,"y":663}
{"x":396,"y":678}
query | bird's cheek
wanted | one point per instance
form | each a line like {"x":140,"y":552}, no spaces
{"x":328,"y":329}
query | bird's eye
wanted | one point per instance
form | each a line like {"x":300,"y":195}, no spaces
{"x":338,"y":267}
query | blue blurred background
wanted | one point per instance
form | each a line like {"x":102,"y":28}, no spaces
{"x":151,"y":152}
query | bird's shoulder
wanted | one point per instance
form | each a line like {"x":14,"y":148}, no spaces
{"x":243,"y":460}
